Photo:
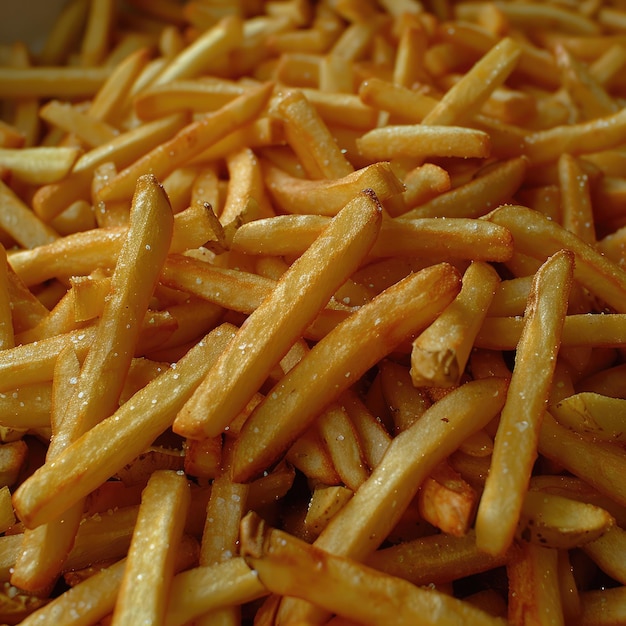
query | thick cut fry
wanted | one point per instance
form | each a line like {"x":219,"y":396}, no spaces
{"x":149,"y":568}
{"x":347,"y":588}
{"x":607,"y":550}
{"x":440,"y":353}
{"x":189,"y":142}
{"x":520,"y":423}
{"x":301,"y":293}
{"x":310,"y":386}
{"x":137,"y":423}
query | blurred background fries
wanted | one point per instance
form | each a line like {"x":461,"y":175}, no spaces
{"x":312,"y":311}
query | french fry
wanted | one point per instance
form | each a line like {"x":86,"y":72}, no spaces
{"x":296,"y":195}
{"x":7,"y":332}
{"x":160,"y":525}
{"x":534,"y":589}
{"x":439,"y":354}
{"x":411,"y":312}
{"x":157,"y":417}
{"x":520,"y":423}
{"x":340,"y":247}
{"x":441,"y":558}
{"x":188,"y":142}
{"x":592,"y":270}
{"x":280,"y":560}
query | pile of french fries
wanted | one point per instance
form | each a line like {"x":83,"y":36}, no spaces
{"x":314,"y":312}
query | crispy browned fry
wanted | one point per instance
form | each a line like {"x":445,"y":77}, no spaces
{"x":309,"y":387}
{"x":137,"y":422}
{"x":348,"y":588}
{"x":537,"y":236}
{"x":189,"y":142}
{"x":439,"y":354}
{"x":520,"y":423}
{"x":265,"y":338}
{"x":327,"y":197}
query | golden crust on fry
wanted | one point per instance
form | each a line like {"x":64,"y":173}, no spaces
{"x":352,"y":267}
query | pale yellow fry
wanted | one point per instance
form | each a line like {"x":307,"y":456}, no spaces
{"x":310,"y":138}
{"x":537,"y":236}
{"x":189,"y":142}
{"x":533,"y":582}
{"x":439,"y":355}
{"x":463,"y":100}
{"x":300,"y":294}
{"x":51,"y":82}
{"x":87,"y":128}
{"x":347,"y":587}
{"x":144,"y":590}
{"x":200,"y":590}
{"x":17,"y":219}
{"x":136,"y":424}
{"x":336,"y":362}
{"x":507,"y":482}
{"x":421,"y":141}
{"x":327,"y":197}
{"x":64,"y":32}
{"x":7,"y":332}
{"x":213,"y":43}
